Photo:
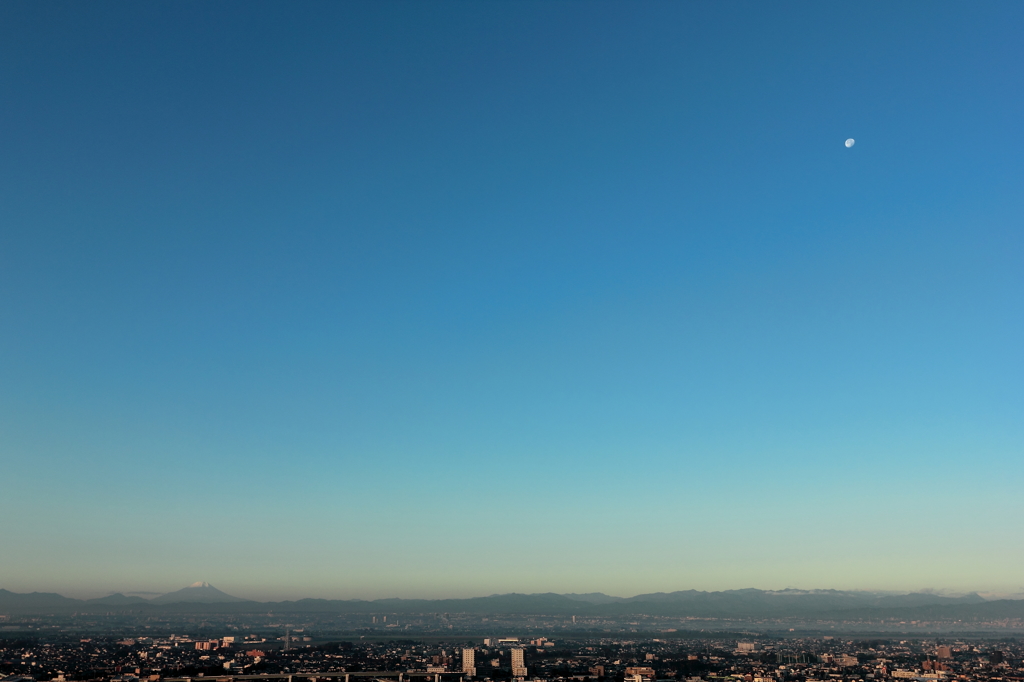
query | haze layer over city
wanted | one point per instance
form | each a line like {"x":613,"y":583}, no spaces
{"x":511,"y":320}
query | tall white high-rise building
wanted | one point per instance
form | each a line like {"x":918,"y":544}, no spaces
{"x":518,"y":665}
{"x":469,"y":662}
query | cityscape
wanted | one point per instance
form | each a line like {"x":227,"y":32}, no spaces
{"x":511,"y":341}
{"x":121,"y":639}
{"x":307,"y":651}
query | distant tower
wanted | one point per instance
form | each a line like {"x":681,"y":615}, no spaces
{"x":287,"y":639}
{"x":469,"y":662}
{"x":518,"y":665}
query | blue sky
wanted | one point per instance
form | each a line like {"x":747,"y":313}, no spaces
{"x":448,"y":299}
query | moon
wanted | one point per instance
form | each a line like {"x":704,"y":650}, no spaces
{"x":850,"y":143}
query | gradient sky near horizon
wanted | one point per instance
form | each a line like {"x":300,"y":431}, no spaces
{"x":450,"y":299}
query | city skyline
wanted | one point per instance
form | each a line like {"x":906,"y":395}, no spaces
{"x":447,"y":299}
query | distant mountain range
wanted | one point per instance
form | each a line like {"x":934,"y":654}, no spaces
{"x":197,"y":593}
{"x":733,"y":604}
{"x":49,"y":602}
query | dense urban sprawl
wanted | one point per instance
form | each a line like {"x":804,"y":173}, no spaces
{"x":686,"y":659}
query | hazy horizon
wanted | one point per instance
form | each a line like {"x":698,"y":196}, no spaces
{"x":148,"y":594}
{"x":447,"y":299}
